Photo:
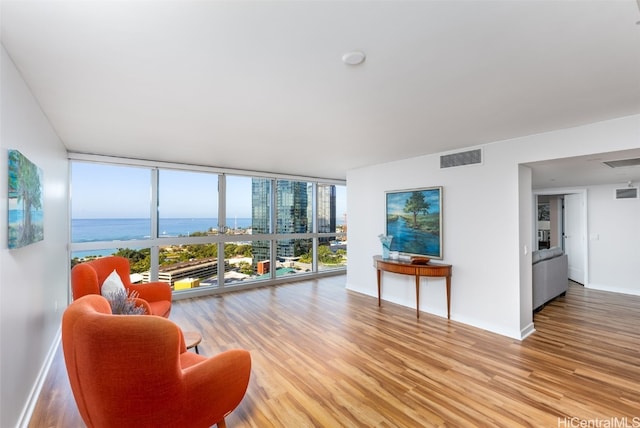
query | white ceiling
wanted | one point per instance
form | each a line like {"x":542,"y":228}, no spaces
{"x":261,"y":86}
{"x":586,"y":170}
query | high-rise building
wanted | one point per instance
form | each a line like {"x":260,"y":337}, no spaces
{"x":326,"y":208}
{"x":294,"y":210}
{"x":293,"y":198}
{"x":260,"y":217}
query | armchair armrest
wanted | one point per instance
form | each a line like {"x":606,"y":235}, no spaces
{"x":153,"y":291}
{"x":217,"y":383}
{"x":141,"y":302}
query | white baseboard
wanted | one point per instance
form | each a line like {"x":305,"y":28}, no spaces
{"x":613,"y":289}
{"x":527,"y":331}
{"x":30,"y":405}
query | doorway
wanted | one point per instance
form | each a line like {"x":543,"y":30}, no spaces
{"x":574,"y":237}
{"x":561,"y":222}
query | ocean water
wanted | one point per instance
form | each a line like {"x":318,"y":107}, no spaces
{"x":124,"y":229}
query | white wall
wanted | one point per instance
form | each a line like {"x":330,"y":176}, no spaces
{"x":483,"y":223}
{"x":33,"y":279}
{"x":528,"y":215}
{"x":614,"y":239}
{"x":480,"y":230}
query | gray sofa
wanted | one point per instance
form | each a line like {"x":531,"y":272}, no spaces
{"x":550,"y":275}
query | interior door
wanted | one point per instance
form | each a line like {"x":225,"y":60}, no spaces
{"x":574,"y":239}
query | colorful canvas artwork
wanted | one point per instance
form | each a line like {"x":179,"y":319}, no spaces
{"x":25,"y":201}
{"x":414,"y":219}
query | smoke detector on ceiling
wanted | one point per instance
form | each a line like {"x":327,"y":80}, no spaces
{"x":353,"y":58}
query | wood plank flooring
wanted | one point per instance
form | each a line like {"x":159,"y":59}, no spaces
{"x":326,"y":357}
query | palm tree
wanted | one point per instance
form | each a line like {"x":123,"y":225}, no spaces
{"x":24,"y":185}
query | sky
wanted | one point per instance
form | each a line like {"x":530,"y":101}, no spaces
{"x":111,"y":191}
{"x":397,"y":200}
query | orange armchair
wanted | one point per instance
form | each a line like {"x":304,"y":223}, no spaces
{"x":134,"y":371}
{"x":87,"y":278}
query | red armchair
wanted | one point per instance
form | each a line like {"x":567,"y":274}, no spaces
{"x":134,"y":371}
{"x":87,"y":278}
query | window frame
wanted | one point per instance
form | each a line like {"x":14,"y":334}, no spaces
{"x":155,"y":242}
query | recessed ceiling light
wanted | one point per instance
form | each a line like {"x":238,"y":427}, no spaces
{"x":353,"y":58}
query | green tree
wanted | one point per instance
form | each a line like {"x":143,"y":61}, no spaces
{"x":196,"y":234}
{"x":328,"y":257}
{"x":246,"y":268}
{"x":416,"y":205}
{"x":133,"y":255}
{"x":305,"y":258}
{"x":139,"y":260}
{"x":244,"y":250}
{"x":230,"y":250}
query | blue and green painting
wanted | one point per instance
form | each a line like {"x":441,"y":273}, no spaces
{"x":414,"y":220}
{"x":25,"y":201}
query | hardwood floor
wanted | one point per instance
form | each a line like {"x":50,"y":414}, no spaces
{"x":327,"y":357}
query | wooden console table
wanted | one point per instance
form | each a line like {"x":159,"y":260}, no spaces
{"x":431,"y":269}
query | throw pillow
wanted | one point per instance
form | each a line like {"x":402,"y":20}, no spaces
{"x":112,"y":284}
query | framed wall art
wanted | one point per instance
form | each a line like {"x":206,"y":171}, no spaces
{"x":25,"y":216}
{"x":414,"y":219}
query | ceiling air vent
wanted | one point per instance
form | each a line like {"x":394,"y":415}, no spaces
{"x":470,"y":157}
{"x":627,"y":193}
{"x":622,"y":163}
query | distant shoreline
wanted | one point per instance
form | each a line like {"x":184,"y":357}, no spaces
{"x":120,"y":230}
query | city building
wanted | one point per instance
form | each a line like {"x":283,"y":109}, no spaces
{"x":293,"y":215}
{"x":261,"y":220}
{"x":326,"y":210}
{"x":202,"y":269}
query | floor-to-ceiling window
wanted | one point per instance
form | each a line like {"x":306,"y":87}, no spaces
{"x":111,"y":213}
{"x":202,"y":228}
{"x":332,"y":226}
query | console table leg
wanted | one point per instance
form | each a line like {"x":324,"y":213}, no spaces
{"x":448,"y":297}
{"x":379,"y":275}
{"x":417,"y":296}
